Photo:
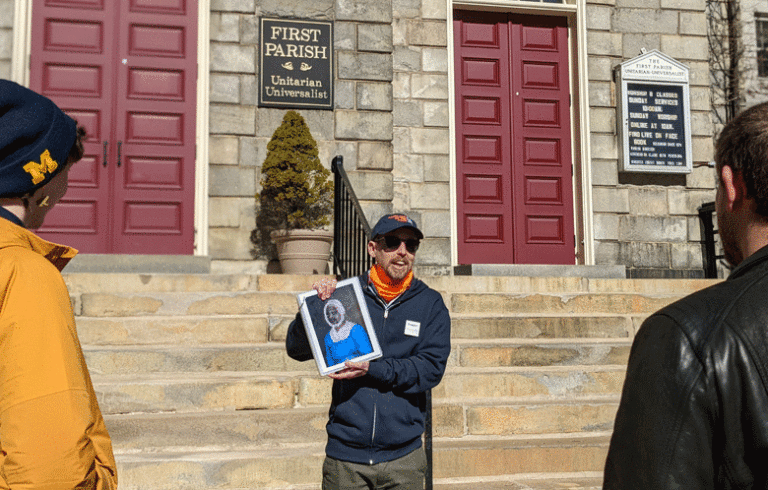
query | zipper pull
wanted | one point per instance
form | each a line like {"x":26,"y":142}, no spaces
{"x":386,"y":313}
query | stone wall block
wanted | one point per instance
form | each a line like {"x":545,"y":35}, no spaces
{"x":606,"y":226}
{"x":606,"y":253}
{"x":602,"y":120}
{"x":604,"y":146}
{"x":249,"y":29}
{"x":686,"y":256}
{"x":698,"y":74}
{"x":703,"y":178}
{"x":372,"y":186}
{"x":643,"y":4}
{"x":249,"y":152}
{"x":225,"y":88}
{"x":601,"y":94}
{"x":685,"y":47}
{"x":429,"y":86}
{"x":225,"y":27}
{"x":401,"y":140}
{"x":402,"y":197}
{"x":231,"y":212}
{"x":648,"y":201}
{"x":693,"y":23}
{"x":406,"y":9}
{"x":374,"y":155}
{"x":408,"y":168}
{"x":700,"y":100}
{"x":435,"y":223}
{"x":694,"y":5}
{"x":363,"y":10}
{"x":599,"y":18}
{"x":6,"y":13}
{"x":430,"y":140}
{"x":604,"y":43}
{"x":401,"y":85}
{"x":344,"y":96}
{"x":374,"y":96}
{"x":375,"y":126}
{"x":433,"y":251}
{"x":701,"y":124}
{"x":345,"y":36}
{"x":249,"y":90}
{"x":605,"y":172}
{"x":601,"y":68}
{"x":233,"y":58}
{"x":436,"y":114}
{"x":365,"y":66}
{"x":223,"y":150}
{"x":427,"y":33}
{"x":437,"y":168}
{"x":694,"y":229}
{"x":645,"y":21}
{"x":633,"y":44}
{"x":434,"y":9}
{"x":232,"y":119}
{"x":653,"y":229}
{"x":435,"y":59}
{"x":305,"y":9}
{"x":246,"y":6}
{"x":348,"y":151}
{"x":407,"y":113}
{"x":374,"y":37}
{"x":430,"y":195}
{"x":406,"y":58}
{"x":229,"y":181}
{"x":703,"y":149}
{"x":645,"y":255}
{"x":400,"y":32}
{"x":230,"y":243}
{"x":610,"y":200}
{"x":687,"y":202}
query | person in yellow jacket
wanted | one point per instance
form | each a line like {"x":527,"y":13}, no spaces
{"x":52,"y":433}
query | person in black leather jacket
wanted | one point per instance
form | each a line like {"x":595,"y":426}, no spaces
{"x":694,"y":409}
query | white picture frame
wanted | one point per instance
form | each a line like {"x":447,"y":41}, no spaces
{"x":339,"y":329}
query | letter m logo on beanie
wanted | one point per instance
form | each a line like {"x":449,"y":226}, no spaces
{"x":38,"y":170}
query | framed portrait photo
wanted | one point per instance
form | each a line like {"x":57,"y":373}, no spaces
{"x":339,"y":329}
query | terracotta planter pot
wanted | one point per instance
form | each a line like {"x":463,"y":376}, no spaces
{"x":303,"y":251}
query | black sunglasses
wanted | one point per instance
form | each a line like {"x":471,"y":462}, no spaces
{"x":392,"y":243}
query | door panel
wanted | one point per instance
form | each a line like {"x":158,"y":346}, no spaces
{"x":513,"y":139}
{"x":127,"y":72}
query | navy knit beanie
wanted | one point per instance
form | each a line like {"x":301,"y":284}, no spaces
{"x":35,"y":140}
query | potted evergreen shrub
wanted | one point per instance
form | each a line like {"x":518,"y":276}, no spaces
{"x":295,"y":202}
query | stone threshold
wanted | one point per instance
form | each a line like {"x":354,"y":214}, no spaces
{"x":525,"y":270}
{"x":139,"y":264}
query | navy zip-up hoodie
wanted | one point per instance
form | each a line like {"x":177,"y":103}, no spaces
{"x":380,"y":416}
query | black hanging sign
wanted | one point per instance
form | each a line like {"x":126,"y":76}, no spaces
{"x":296,"y":64}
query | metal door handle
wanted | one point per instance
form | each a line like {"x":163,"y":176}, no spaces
{"x":119,"y":151}
{"x":104,"y":161}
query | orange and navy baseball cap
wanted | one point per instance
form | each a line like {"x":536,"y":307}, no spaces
{"x":392,"y":222}
{"x":35,"y":140}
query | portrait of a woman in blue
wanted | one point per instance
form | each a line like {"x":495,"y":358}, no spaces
{"x":346,"y":340}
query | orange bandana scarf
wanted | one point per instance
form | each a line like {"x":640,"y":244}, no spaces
{"x":386,"y":287}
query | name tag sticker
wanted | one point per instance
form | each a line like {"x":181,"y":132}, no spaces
{"x":412,"y":328}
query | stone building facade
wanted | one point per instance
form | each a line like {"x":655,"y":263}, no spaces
{"x":394,"y":122}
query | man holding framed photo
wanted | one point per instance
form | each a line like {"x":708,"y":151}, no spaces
{"x":378,"y":407}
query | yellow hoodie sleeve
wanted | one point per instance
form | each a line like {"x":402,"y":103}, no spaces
{"x":52,"y":434}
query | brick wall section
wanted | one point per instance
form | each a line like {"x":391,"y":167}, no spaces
{"x":649,"y":223}
{"x":6,"y":37}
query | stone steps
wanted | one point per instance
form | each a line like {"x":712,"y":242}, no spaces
{"x":289,"y":464}
{"x":263,"y":357}
{"x":198,"y":392}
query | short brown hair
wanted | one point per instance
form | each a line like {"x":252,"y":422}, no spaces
{"x":743,"y":146}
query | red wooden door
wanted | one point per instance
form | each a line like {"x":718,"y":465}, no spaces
{"x":126,"y":70}
{"x":514,"y":169}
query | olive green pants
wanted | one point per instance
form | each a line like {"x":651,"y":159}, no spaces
{"x":406,"y":473}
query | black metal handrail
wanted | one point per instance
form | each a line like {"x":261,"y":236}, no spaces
{"x":351,"y":234}
{"x":708,"y":232}
{"x":351,"y":231}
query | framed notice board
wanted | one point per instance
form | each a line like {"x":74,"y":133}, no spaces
{"x":296,"y":68}
{"x":654,"y":122}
